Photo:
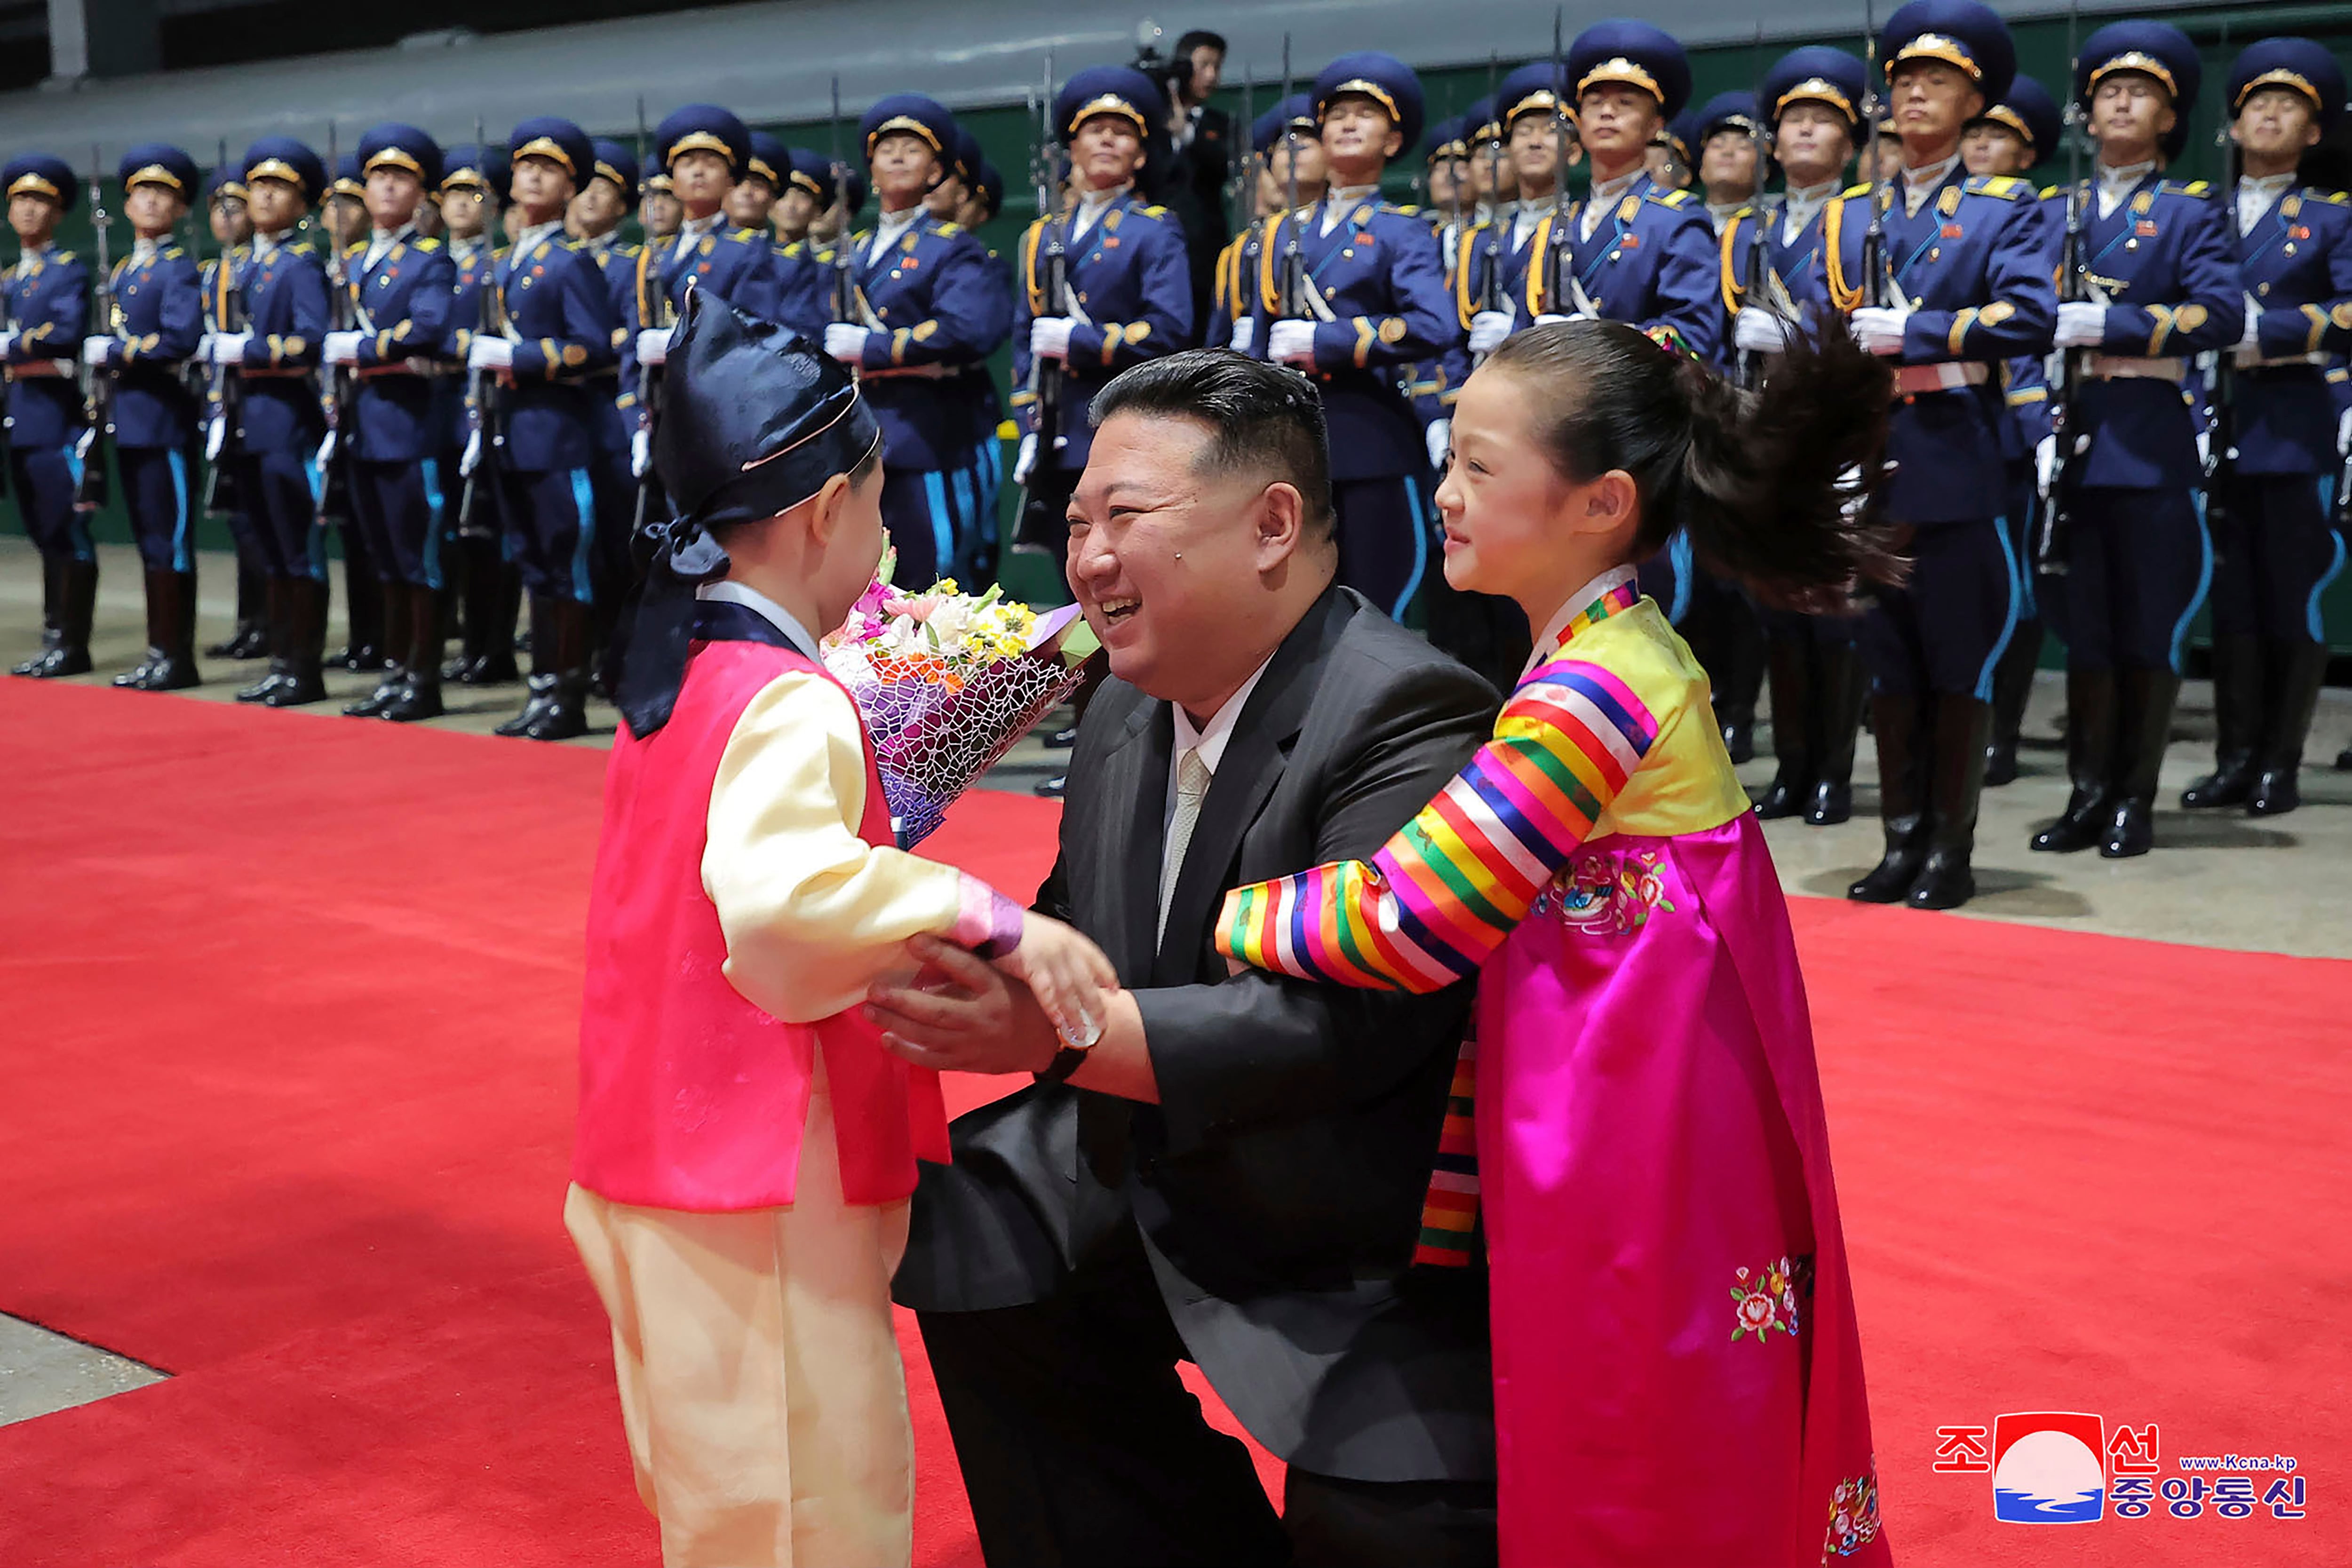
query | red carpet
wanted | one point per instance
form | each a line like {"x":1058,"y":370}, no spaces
{"x":284,"y":1105}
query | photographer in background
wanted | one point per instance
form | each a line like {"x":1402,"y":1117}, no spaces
{"x":1196,"y":159}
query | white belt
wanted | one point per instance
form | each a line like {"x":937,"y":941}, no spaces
{"x":1948,"y":376}
{"x":2120,"y":367}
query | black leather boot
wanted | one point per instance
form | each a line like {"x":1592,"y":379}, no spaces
{"x":53,"y":598}
{"x":363,"y":613}
{"x":135,"y":679}
{"x":177,"y":670}
{"x":420,"y":693}
{"x":76,"y":609}
{"x":2089,"y":762}
{"x":278,"y":617}
{"x":392,"y":614}
{"x":306,"y":643}
{"x":1843,"y":685}
{"x":2297,"y":670}
{"x":2013,"y":689}
{"x":252,"y":598}
{"x":1739,"y":631}
{"x":2144,"y":700}
{"x":1955,"y":778}
{"x":542,"y":676}
{"x":490,"y":645}
{"x":1899,"y":724}
{"x":566,"y":713}
{"x":1787,"y":672}
{"x":2239,"y":712}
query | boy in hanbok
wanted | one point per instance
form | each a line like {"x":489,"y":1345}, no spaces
{"x":1677,"y":1376}
{"x":746,"y":1149}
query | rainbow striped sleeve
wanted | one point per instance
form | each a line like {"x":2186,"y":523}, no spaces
{"x":1441,"y":895}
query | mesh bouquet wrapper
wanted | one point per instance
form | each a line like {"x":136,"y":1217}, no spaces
{"x":946,"y":682}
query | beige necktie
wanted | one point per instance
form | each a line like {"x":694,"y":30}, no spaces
{"x":1192,"y":785}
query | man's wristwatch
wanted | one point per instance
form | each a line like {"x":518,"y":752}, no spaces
{"x":1066,"y":1060}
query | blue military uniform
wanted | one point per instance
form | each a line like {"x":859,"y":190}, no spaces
{"x":1811,"y":664}
{"x":560,"y":331}
{"x":49,"y":312}
{"x":1963,"y":286}
{"x":1371,"y":291}
{"x":1234,"y":282}
{"x":2277,"y":546}
{"x":158,"y":321}
{"x":489,"y":582}
{"x":986,"y":473}
{"x":2160,"y":278}
{"x":274,"y":356}
{"x":399,"y":289}
{"x":1124,"y":295}
{"x":926,"y":308}
{"x":2029,"y":114}
{"x":250,"y":638}
{"x":614,"y":567}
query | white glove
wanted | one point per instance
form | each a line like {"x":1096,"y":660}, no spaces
{"x":97,"y":351}
{"x":1024,"y":462}
{"x":1440,"y":436}
{"x":326,"y":453}
{"x":640,"y":453}
{"x":1553,"y":318}
{"x":2250,"y":341}
{"x":1291,"y":341}
{"x":472,"y":457}
{"x":2081,"y":324}
{"x":1879,"y":329}
{"x":1759,"y":331}
{"x":7,"y":340}
{"x":229,"y":348}
{"x":339,"y":348}
{"x":215,"y":438}
{"x":2204,"y":449}
{"x":2045,"y":465}
{"x":84,"y":442}
{"x":846,"y":342}
{"x":1049,"y":337}
{"x":2343,"y":435}
{"x":1244,"y":339}
{"x":653,"y":345}
{"x":488,"y":352}
{"x":1487,"y":331}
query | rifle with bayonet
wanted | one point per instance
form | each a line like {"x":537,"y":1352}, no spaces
{"x":1050,"y":265}
{"x":1761,"y":226}
{"x":479,"y":503}
{"x":2220,"y":478}
{"x":335,"y":491}
{"x":652,"y":380}
{"x":2066,"y":445}
{"x":1290,"y":267}
{"x":1490,"y":282}
{"x":226,"y":383}
{"x":1556,"y":251}
{"x":1875,"y":278}
{"x":845,"y":285}
{"x":97,"y":385}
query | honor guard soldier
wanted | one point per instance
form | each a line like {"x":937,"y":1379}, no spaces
{"x":1813,"y":98}
{"x":1282,"y":135}
{"x":2276,"y":545}
{"x":594,"y":221}
{"x":232,"y":231}
{"x":560,"y":331}
{"x":707,"y":154}
{"x":401,"y":285}
{"x":1125,"y":290}
{"x":658,"y":212}
{"x":1350,"y":290}
{"x":1494,"y":292}
{"x":48,"y":315}
{"x":845,"y":199}
{"x":1445,"y":181}
{"x":2160,"y":284}
{"x":344,"y":218}
{"x":274,"y":356}
{"x":2016,"y":136}
{"x":922,"y":307}
{"x":159,"y":318}
{"x":1962,"y":284}
{"x":1725,"y":172}
{"x":803,"y":197}
{"x":490,"y":584}
{"x":1492,"y":180}
{"x":754,"y":195}
{"x":983,"y":201}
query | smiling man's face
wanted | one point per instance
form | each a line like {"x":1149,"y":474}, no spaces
{"x":1169,"y":556}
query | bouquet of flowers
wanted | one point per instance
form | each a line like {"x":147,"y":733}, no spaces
{"x":946,"y":682}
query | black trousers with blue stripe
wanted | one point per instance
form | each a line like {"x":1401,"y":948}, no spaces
{"x":159,"y":491}
{"x":2137,"y":567}
{"x":1386,"y":529}
{"x":399,"y":508}
{"x":2275,"y":554}
{"x":280,"y":490}
{"x":1946,"y":628}
{"x":919,"y":510}
{"x":44,"y":479}
{"x":552,"y":518}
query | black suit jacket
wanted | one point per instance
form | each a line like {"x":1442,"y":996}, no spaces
{"x":1194,"y":187}
{"x":1277,"y":1186}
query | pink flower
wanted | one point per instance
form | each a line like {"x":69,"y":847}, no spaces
{"x":1756,"y":1313}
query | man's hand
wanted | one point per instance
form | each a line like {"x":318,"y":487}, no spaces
{"x":1066,"y":973}
{"x":846,"y":342}
{"x":1292,"y":342}
{"x":962,"y":1015}
{"x":339,"y":348}
{"x":2082,"y":324}
{"x":1049,"y":336}
{"x":490,"y":353}
{"x":1879,"y":329}
{"x":1487,"y":331}
{"x":653,"y":345}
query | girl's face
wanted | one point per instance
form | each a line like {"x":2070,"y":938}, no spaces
{"x":1514,"y":524}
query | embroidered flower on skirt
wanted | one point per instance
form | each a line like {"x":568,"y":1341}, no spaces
{"x":1853,"y":1517}
{"x":1608,"y":891}
{"x":1766,"y":1298}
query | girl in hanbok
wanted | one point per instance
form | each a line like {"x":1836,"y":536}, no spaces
{"x":1678,"y":1380}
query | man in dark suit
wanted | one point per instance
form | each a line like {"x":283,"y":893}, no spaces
{"x":1198,"y":153}
{"x":1233,"y":1175}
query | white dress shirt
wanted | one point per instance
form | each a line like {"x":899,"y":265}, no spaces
{"x":1342,"y":201}
{"x":2257,"y":197}
{"x":892,"y":227}
{"x":1603,"y":201}
{"x":1092,"y":205}
{"x":1531,"y":212}
{"x":2116,"y":184}
{"x":1920,"y":184}
{"x":1798,"y":207}
{"x":1209,"y":739}
{"x":380,"y":241}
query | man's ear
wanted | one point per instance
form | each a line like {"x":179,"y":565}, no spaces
{"x":1281,"y":524}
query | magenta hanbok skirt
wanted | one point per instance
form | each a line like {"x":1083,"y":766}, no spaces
{"x":1678,"y":1380}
